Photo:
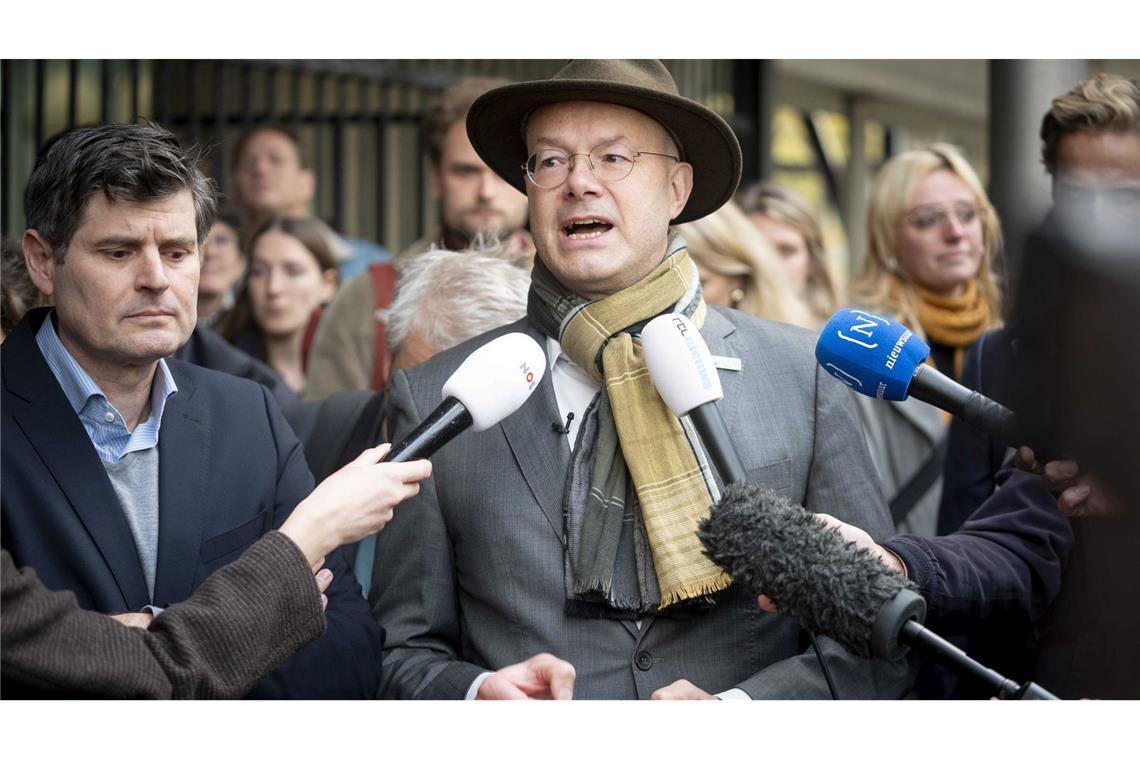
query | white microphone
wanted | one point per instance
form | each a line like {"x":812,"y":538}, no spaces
{"x":488,"y":386}
{"x":683,"y":372}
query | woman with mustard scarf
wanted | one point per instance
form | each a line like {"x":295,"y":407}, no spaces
{"x":932,"y":241}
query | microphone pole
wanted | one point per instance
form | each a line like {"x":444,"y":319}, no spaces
{"x":941,"y":650}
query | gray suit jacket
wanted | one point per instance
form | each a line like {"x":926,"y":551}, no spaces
{"x":469,"y":574}
{"x":901,"y":435}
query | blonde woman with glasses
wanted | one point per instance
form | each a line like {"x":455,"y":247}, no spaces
{"x":933,"y":237}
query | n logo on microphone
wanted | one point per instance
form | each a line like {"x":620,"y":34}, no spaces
{"x":865,"y":322}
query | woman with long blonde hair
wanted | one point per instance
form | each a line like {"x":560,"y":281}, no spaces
{"x":933,"y":238}
{"x":739,"y":269}
{"x":792,"y":226}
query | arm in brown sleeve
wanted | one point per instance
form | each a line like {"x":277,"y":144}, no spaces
{"x":239,"y":625}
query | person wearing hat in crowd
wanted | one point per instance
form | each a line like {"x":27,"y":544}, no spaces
{"x":555,"y":555}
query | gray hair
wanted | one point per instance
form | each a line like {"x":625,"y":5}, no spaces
{"x":451,"y":296}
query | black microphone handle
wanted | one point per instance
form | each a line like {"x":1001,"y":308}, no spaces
{"x":976,"y":410}
{"x":710,"y":425}
{"x":943,"y":651}
{"x":447,"y":421}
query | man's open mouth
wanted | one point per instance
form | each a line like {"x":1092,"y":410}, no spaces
{"x":584,"y":229}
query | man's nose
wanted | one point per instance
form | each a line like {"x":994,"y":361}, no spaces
{"x":581,"y":180}
{"x":152,"y":271}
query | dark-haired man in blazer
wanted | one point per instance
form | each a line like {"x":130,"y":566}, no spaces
{"x":129,"y":478}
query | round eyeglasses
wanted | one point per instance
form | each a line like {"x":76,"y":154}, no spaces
{"x":609,"y":162}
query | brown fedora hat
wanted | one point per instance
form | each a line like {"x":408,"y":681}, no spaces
{"x":496,"y":119}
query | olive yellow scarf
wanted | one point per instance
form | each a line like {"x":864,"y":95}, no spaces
{"x":629,"y":434}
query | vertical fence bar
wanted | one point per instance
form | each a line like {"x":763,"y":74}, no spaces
{"x":318,"y":121}
{"x":161,"y":91}
{"x":381,"y":170}
{"x":339,"y":91}
{"x":272,"y":92}
{"x":245,"y":91}
{"x":407,"y":114}
{"x":133,"y":69}
{"x":41,"y":104}
{"x":194,"y":114}
{"x":219,"y":152}
{"x":7,"y":181}
{"x":72,"y":92}
{"x":105,"y":92}
{"x":295,"y":98}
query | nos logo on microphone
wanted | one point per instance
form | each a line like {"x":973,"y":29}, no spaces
{"x":528,"y":375}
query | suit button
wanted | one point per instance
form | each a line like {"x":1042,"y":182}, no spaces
{"x":643,"y":660}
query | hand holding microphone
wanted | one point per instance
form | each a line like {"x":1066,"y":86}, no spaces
{"x":1079,"y":494}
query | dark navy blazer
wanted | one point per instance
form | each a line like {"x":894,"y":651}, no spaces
{"x":230,"y":469}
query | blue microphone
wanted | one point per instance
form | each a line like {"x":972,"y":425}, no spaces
{"x":880,"y":358}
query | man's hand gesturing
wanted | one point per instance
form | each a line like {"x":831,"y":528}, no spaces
{"x":543,"y":676}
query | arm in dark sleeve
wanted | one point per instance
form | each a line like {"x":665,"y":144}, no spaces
{"x":1002,"y":567}
{"x":842,"y":483}
{"x":243,"y":621}
{"x":344,"y":663}
{"x":973,"y":459}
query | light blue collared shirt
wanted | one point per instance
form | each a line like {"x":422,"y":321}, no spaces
{"x":102,"y":421}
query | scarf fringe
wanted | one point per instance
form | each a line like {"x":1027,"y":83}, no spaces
{"x":694,"y":589}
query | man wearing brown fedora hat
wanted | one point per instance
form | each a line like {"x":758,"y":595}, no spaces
{"x":555,"y":554}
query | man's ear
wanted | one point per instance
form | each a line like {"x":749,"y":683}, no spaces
{"x":681,"y":183}
{"x":40,"y":260}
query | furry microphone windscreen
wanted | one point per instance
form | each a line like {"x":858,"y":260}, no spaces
{"x":779,"y":549}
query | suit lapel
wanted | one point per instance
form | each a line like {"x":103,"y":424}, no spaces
{"x":715,"y":329}
{"x":183,"y":474}
{"x":45,"y":416}
{"x":542,"y":456}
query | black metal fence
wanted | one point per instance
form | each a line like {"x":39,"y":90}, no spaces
{"x":357,"y":120}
